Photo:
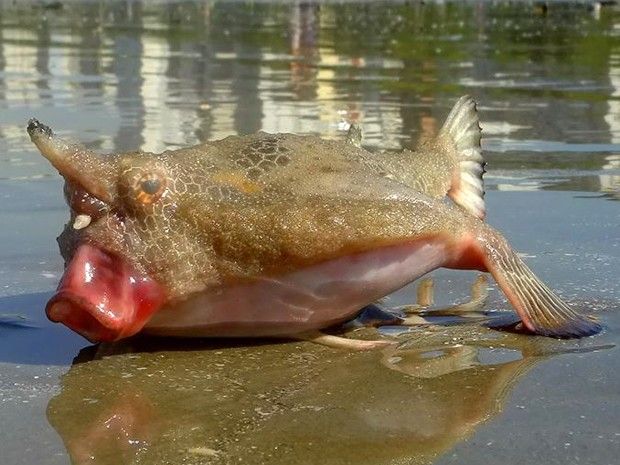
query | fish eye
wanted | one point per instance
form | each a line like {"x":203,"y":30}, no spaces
{"x":148,"y":188}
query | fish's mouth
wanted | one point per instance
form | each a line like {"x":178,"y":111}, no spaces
{"x":85,"y":208}
{"x":102,"y":297}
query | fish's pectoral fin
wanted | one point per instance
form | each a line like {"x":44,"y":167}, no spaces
{"x":425,"y":297}
{"x":339,"y":342}
{"x":471,"y":308}
{"x":540,"y":309}
{"x":374,"y":315}
{"x":354,"y":135}
{"x":462,"y":130}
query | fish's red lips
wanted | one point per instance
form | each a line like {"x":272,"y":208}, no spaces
{"x":102,"y":297}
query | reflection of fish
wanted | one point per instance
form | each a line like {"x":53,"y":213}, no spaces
{"x":139,"y":402}
{"x":268,"y":235}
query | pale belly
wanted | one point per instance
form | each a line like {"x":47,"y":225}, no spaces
{"x":311,"y":298}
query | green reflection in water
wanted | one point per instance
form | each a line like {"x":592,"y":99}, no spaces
{"x":164,"y":75}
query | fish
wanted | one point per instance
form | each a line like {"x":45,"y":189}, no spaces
{"x":277,"y":235}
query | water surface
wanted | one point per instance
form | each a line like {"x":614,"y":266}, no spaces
{"x":132,"y":75}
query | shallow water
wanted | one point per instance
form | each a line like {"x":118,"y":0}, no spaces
{"x":156,"y":75}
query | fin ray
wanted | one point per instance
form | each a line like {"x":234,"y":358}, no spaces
{"x":462,"y":129}
{"x":541,"y":310}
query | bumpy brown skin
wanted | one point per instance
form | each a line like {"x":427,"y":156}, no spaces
{"x":247,"y":207}
{"x":254,"y":206}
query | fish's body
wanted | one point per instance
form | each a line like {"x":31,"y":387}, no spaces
{"x":275,"y":234}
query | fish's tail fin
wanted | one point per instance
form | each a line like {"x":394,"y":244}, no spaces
{"x":462,"y":131}
{"x":540,"y":309}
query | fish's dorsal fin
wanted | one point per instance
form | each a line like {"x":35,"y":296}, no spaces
{"x":462,"y":130}
{"x":354,"y":135}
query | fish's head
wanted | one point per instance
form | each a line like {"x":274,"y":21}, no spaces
{"x":128,"y":246}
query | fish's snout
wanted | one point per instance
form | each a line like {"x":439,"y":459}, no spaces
{"x":35,"y":127}
{"x":95,"y":174}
